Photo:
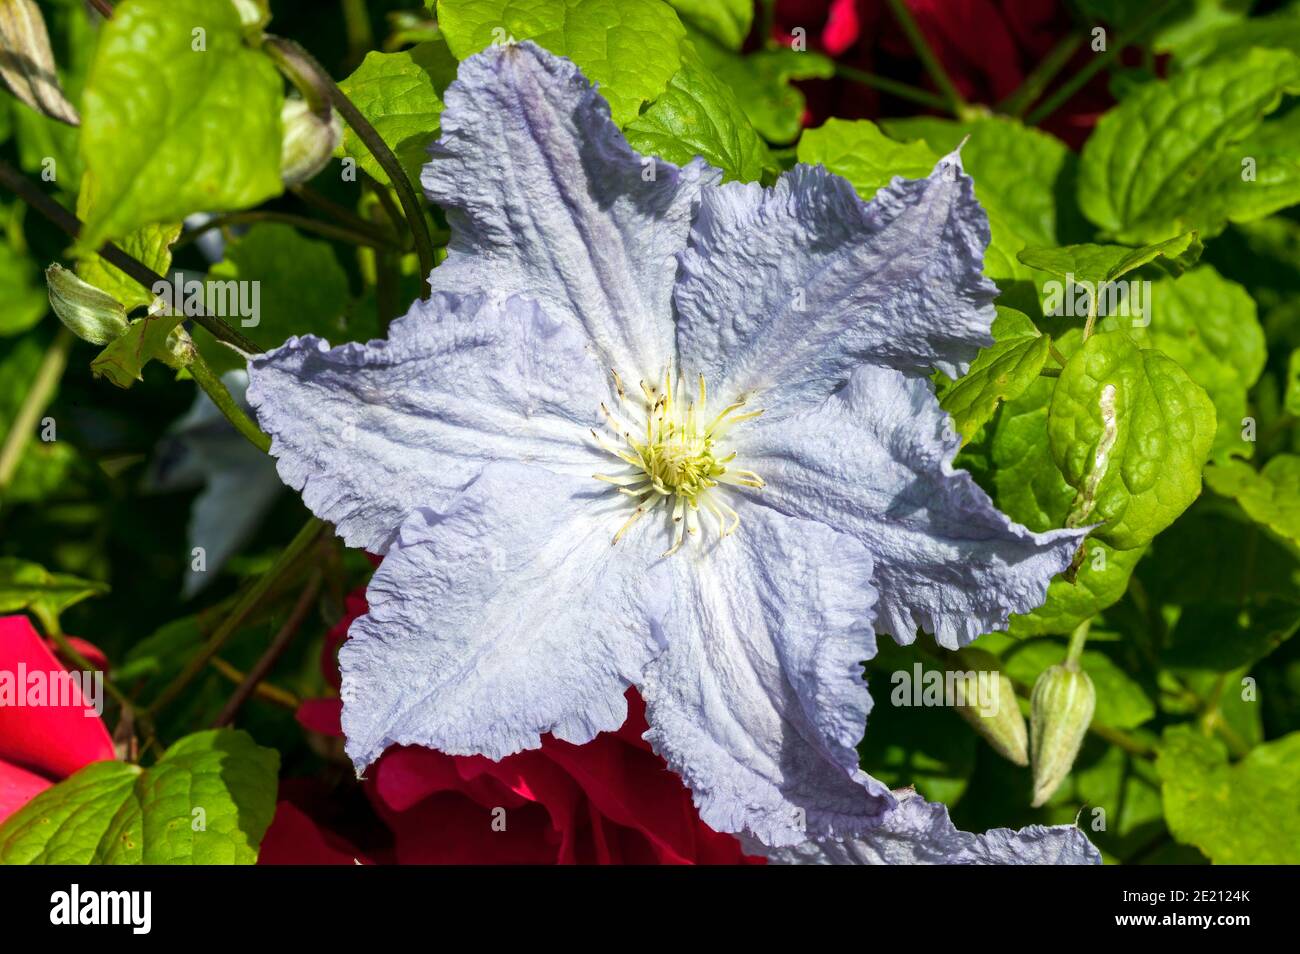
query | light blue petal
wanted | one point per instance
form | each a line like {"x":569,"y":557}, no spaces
{"x":875,"y":461}
{"x":369,"y":432}
{"x":918,"y":832}
{"x":505,"y":615}
{"x":758,"y":699}
{"x":784,"y":291}
{"x":546,"y":198}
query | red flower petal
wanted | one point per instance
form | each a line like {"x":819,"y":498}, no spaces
{"x":51,"y":740}
{"x":294,"y":838}
{"x":18,"y":787}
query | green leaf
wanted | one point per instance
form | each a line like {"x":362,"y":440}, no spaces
{"x":151,"y":338}
{"x":1125,"y":786}
{"x":1026,"y":483}
{"x":632,"y":48}
{"x":857,"y":150}
{"x":1101,"y":581}
{"x":928,"y":747}
{"x":1271,"y":496}
{"x":164,"y":652}
{"x":92,"y":315}
{"x":1186,"y":23}
{"x":1245,"y":562}
{"x":169,"y":129}
{"x":150,"y":244}
{"x":207,"y":801}
{"x":29,"y":586}
{"x":1222,"y":637}
{"x":401,"y":95}
{"x":302,"y":289}
{"x":1231,"y":38}
{"x":698,"y":115}
{"x":1122,"y":703}
{"x":1023,"y":176}
{"x":1291,"y":396}
{"x":1105,"y":263}
{"x":1001,"y":371}
{"x":1207,"y":325}
{"x":1130,"y":431}
{"x":1169,"y":158}
{"x":761,"y":83}
{"x":726,"y":22}
{"x":1236,"y":814}
{"x":24,"y":300}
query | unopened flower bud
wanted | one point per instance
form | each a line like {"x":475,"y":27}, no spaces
{"x":90,"y":314}
{"x":253,"y":15}
{"x":1060,"y":710}
{"x":998,"y":719}
{"x":27,"y":63}
{"x":308,"y":140}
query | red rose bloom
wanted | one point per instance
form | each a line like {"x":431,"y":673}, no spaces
{"x":40,"y":744}
{"x":611,"y":801}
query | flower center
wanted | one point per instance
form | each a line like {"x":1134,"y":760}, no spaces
{"x":671,"y":450}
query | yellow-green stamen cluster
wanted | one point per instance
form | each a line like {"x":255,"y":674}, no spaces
{"x":673,"y":455}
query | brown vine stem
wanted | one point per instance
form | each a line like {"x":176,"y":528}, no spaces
{"x":353,"y":236}
{"x":17,"y":183}
{"x":306,"y":73}
{"x":248,"y":600}
{"x":266,"y":662}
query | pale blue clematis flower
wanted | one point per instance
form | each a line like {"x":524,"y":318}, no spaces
{"x":602,"y":313}
{"x":918,"y":832}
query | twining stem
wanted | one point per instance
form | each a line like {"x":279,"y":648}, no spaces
{"x":34,"y":404}
{"x":1078,"y":639}
{"x":296,"y":61}
{"x":369,"y":237}
{"x":149,"y":279}
{"x":265,"y":690}
{"x":1055,"y":353}
{"x":50,"y":623}
{"x":893,"y":87}
{"x":1123,"y":740}
{"x":248,"y":601}
{"x":1098,"y":63}
{"x":220,"y":395}
{"x":380,"y":192}
{"x":266,"y":662}
{"x":953,"y":99}
{"x":1043,"y":73}
{"x":1212,"y":719}
{"x":313,"y":198}
{"x":17,"y":183}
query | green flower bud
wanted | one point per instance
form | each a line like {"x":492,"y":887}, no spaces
{"x":1060,"y":710}
{"x":90,"y":314}
{"x":998,"y":719}
{"x":27,"y":62}
{"x":253,"y":15}
{"x":308,"y":140}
